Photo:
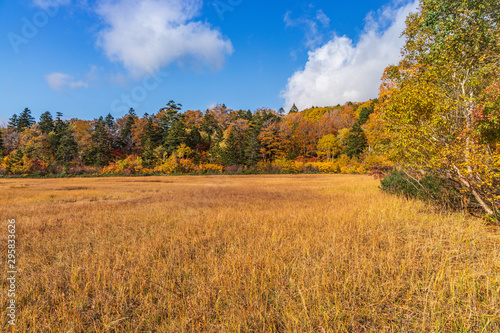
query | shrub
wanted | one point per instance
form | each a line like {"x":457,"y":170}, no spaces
{"x":84,"y":170}
{"x":428,"y":187}
{"x":211,"y":168}
{"x":237,"y":168}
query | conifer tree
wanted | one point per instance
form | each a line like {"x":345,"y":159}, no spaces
{"x":25,"y":120}
{"x":46,"y":123}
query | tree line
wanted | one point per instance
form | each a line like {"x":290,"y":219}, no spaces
{"x":220,"y":137}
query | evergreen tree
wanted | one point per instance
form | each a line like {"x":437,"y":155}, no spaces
{"x":67,"y":149}
{"x":25,"y":120}
{"x":126,"y":138}
{"x":13,"y":122}
{"x":364,"y":114}
{"x":148,"y":153}
{"x":46,"y":123}
{"x":110,"y":122}
{"x":100,"y":145}
{"x":252,"y":148}
{"x":194,"y":138}
{"x":150,"y":141}
{"x":152,"y":132}
{"x":209,"y":125}
{"x":294,"y":109}
{"x":232,"y":152}
{"x":59,"y":124}
{"x":176,"y":135}
{"x":356,"y":141}
{"x":2,"y":148}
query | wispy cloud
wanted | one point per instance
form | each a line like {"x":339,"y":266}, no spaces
{"x":61,"y":81}
{"x":341,"y":71}
{"x":44,"y":4}
{"x":313,"y":26}
{"x":145,"y":35}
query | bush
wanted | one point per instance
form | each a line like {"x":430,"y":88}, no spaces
{"x":84,"y":170}
{"x":429,"y":188}
{"x":237,"y":168}
{"x":211,"y":168}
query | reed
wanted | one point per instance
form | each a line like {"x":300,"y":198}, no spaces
{"x":275,"y":253}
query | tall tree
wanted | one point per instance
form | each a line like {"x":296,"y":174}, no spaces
{"x":232,"y":153}
{"x":356,"y":141}
{"x":12,"y":124}
{"x":451,"y":56}
{"x":46,"y":123}
{"x":25,"y":120}
{"x":194,"y":139}
{"x":67,"y":149}
{"x":329,"y":145}
{"x":126,"y":136}
{"x":2,"y":148}
{"x":100,"y":151}
{"x":252,"y":147}
{"x":176,"y":135}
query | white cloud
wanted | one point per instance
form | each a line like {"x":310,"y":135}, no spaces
{"x":60,"y":81}
{"x":322,"y":18}
{"x":145,"y":35}
{"x":341,"y":71}
{"x":3,"y":122}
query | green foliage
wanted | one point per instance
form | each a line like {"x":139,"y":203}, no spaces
{"x":429,"y":188}
{"x":194,"y":138}
{"x":175,"y":136}
{"x":232,"y":154}
{"x":252,"y":148}
{"x":25,"y":120}
{"x":2,"y":148}
{"x":100,"y":152}
{"x":12,"y":124}
{"x":46,"y":123}
{"x":125,"y":135}
{"x":152,"y":134}
{"x":356,"y":142}
{"x":365,"y":113}
{"x":67,"y":149}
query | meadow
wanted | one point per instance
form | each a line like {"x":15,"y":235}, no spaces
{"x":258,"y":253}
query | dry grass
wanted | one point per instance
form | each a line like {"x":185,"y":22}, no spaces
{"x":308,"y":253}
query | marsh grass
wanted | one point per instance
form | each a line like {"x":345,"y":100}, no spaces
{"x":302,"y":253}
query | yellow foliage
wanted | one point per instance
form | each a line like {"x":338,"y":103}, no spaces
{"x":23,"y":166}
{"x":327,"y":167}
{"x":373,"y":160}
{"x":168,"y":165}
{"x":130,"y":165}
{"x":210,"y":167}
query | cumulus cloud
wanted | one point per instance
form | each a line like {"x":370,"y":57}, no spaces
{"x":61,"y":81}
{"x":145,"y":35}
{"x":341,"y":71}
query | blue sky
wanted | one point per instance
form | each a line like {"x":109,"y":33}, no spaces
{"x":89,"y":58}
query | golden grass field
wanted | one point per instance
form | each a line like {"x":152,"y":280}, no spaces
{"x":274,"y":253}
